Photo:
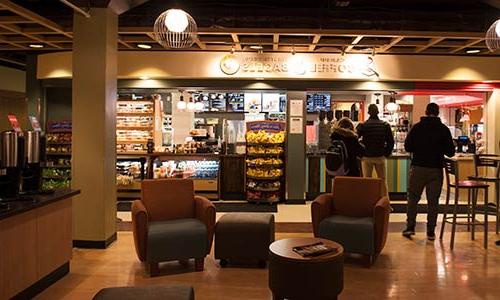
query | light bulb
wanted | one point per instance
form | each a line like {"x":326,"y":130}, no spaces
{"x":181,"y":105}
{"x":199,"y":106}
{"x":176,"y":20}
{"x":497,"y":28}
{"x":190,"y":106}
{"x":392,"y":107}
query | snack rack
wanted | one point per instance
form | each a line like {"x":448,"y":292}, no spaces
{"x":57,"y":172}
{"x":265,"y":161}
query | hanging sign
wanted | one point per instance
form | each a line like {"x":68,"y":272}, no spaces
{"x":14,"y":123}
{"x":35,"y":124}
{"x":271,"y":126}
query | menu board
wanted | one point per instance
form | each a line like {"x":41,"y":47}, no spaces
{"x":217,"y":102}
{"x":236,"y":102}
{"x":253,"y":102}
{"x":318,"y":101}
{"x":270,"y":102}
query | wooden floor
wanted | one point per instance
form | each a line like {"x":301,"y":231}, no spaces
{"x":406,"y":269}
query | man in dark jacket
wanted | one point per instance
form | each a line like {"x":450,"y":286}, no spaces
{"x":429,"y":141}
{"x":376,"y":136}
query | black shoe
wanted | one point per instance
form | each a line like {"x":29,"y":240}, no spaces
{"x":431,"y":236}
{"x":408,"y":232}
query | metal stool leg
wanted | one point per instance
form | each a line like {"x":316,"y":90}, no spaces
{"x":454,"y":222}
{"x":486,"y":218}
{"x":474,"y":203}
{"x":469,"y":195}
{"x":497,"y":200}
{"x":445,"y":211}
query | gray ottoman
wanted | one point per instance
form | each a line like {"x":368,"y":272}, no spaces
{"x":244,"y":237}
{"x":155,"y":292}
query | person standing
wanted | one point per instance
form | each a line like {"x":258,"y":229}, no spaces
{"x":428,"y":141}
{"x":376,"y":136}
{"x":343,"y":131}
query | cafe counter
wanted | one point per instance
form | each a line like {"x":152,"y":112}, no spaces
{"x":35,"y":243}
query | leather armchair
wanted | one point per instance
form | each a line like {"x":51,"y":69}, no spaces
{"x":355,"y":214}
{"x":171,"y":223}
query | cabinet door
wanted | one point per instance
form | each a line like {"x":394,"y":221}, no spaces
{"x":232,"y":177}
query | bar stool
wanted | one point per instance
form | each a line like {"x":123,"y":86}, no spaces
{"x":489,"y":161}
{"x":472,"y":186}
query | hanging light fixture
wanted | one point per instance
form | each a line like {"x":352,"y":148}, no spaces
{"x":392,"y":106}
{"x":377,"y":101}
{"x":181,"y":105}
{"x":493,"y":36}
{"x":198,"y":105}
{"x":465,"y":117}
{"x":190,"y":105}
{"x":175,"y":28}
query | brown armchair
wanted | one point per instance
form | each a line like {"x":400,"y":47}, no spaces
{"x":355,"y":215}
{"x":171,"y":223}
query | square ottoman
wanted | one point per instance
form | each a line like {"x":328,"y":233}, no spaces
{"x":244,"y":236}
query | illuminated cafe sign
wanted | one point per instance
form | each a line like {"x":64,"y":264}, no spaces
{"x":355,"y":65}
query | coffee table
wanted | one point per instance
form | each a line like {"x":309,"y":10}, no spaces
{"x":292,"y":276}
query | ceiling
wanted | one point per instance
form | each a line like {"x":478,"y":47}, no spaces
{"x":417,"y":27}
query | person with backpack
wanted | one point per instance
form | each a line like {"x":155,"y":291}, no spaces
{"x":342,"y":157}
{"x":376,"y":136}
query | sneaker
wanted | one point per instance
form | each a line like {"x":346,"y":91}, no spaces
{"x":431,"y":236}
{"x":408,"y":232}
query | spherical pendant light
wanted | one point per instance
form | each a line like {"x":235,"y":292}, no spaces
{"x":199,"y":106}
{"x":176,"y":29}
{"x":493,"y":36}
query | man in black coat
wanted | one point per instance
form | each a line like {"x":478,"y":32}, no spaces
{"x":428,"y":141}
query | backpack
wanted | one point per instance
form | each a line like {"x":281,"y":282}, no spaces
{"x":336,"y":159}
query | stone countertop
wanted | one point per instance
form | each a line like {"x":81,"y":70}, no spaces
{"x":16,"y":207}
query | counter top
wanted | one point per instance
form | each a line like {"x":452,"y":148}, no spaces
{"x":463,"y":156}
{"x":393,"y":155}
{"x":18,"y":207}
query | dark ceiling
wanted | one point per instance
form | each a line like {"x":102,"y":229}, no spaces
{"x":419,"y":15}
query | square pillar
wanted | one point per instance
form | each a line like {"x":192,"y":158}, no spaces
{"x":94,"y":128}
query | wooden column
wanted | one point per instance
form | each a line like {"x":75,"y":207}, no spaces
{"x":34,"y":93}
{"x":296,"y":150}
{"x":94,"y":127}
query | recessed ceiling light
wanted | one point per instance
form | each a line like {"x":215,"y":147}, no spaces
{"x":144,"y":46}
{"x":256,"y":47}
{"x":473,"y":51}
{"x":36,"y":46}
{"x":144,"y":77}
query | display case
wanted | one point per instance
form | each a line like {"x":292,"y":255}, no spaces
{"x":56,"y":173}
{"x":202,"y":168}
{"x":265,"y":161}
{"x":130,"y":171}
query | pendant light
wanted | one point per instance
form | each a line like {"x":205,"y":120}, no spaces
{"x":493,"y":36}
{"x":392,"y":106}
{"x":465,"y":117}
{"x":181,"y":105}
{"x":176,"y":29}
{"x":190,"y":105}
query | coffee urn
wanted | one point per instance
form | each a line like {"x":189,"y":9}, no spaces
{"x":11,"y":164}
{"x":31,"y":175}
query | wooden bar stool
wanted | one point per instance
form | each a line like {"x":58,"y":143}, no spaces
{"x":489,"y":161}
{"x":451,"y":169}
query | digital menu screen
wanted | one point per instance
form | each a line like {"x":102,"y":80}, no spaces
{"x":271,"y":102}
{"x":236,"y":102}
{"x":217,"y":102}
{"x":318,"y":101}
{"x":253,"y":102}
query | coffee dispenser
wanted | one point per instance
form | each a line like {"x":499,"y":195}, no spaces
{"x":34,"y":153}
{"x":11,"y":163}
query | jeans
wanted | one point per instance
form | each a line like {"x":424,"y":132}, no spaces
{"x":377,"y":163}
{"x":432,"y":180}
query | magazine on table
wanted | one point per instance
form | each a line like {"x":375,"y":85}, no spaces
{"x":315,"y":249}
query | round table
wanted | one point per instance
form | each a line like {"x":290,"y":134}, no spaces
{"x":293,"y":276}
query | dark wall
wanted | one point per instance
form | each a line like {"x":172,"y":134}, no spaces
{"x":58,"y":103}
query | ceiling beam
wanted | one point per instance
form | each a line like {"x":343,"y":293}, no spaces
{"x":392,"y":43}
{"x":12,"y":61}
{"x":469,"y":43}
{"x":353,"y":43}
{"x":14,"y":20}
{"x":314,"y":43}
{"x":28,"y":14}
{"x":236,"y":41}
{"x":431,"y":43}
{"x":127,"y":45}
{"x":18,"y":30}
{"x":7,"y":41}
{"x":200,"y":44}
